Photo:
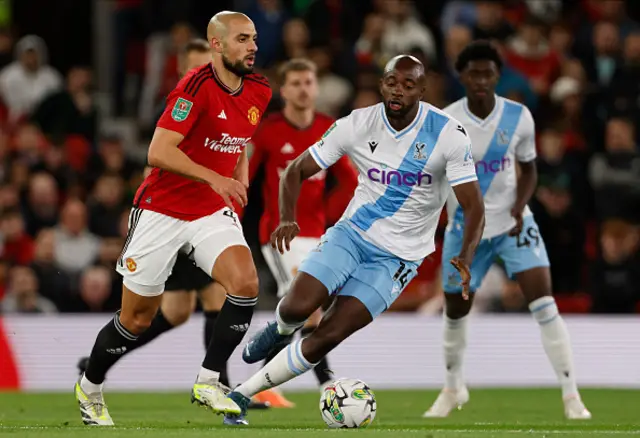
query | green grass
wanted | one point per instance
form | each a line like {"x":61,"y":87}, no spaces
{"x":491,"y":413}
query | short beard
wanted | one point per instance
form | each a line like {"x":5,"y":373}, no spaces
{"x":237,"y":68}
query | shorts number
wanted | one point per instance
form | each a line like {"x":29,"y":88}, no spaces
{"x":230,"y":214}
{"x":525,"y":238}
{"x":399,"y":276}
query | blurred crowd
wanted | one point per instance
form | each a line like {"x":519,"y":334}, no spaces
{"x":66,"y":185}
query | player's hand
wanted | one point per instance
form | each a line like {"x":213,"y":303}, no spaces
{"x":283,"y":235}
{"x":230,"y":190}
{"x":465,"y":274}
{"x":516,"y":213}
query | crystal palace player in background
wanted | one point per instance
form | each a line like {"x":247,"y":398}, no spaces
{"x":281,"y":138}
{"x":502,"y":132}
{"x":408,"y":155}
{"x":200,"y":168}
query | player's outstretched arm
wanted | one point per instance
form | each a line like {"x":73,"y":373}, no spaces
{"x":297,"y":171}
{"x":165,"y":154}
{"x":470,"y":199}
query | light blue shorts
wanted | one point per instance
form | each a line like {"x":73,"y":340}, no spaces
{"x":518,"y":253}
{"x":348,"y":265}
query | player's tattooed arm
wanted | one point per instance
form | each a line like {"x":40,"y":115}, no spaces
{"x":527,"y":181}
{"x":470,"y":199}
{"x":165,"y":154}
{"x":291,"y":180}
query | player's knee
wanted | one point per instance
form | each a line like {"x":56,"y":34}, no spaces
{"x":177,"y":315}
{"x":243,"y":286}
{"x":135,"y":322}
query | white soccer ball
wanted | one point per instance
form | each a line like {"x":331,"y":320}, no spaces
{"x":348,"y":403}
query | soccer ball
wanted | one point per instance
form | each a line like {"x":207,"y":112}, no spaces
{"x":348,"y":403}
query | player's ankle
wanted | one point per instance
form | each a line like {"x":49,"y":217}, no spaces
{"x":88,"y":386}
{"x":207,"y":376}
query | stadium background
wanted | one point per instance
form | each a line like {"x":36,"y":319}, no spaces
{"x":73,"y":139}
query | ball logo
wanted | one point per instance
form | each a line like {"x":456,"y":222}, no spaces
{"x":131,"y":264}
{"x":253,"y":115}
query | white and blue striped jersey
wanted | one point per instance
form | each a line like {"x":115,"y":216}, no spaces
{"x":507,"y":135}
{"x":405,"y":176}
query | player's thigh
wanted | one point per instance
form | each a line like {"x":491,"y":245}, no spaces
{"x":212,"y":296}
{"x":150,"y":251}
{"x":482,"y":261}
{"x":523,"y":252}
{"x":378,"y":283}
{"x":178,"y":305}
{"x":219,"y":247}
{"x":334,"y":259}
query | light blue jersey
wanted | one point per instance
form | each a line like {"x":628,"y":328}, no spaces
{"x":506,"y":136}
{"x":389,"y":226}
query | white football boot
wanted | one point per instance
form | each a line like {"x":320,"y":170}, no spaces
{"x":213,"y":395}
{"x":574,"y":409}
{"x":446,"y":402}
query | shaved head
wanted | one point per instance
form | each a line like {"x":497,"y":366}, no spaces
{"x":232,"y":37}
{"x":405,"y":62}
{"x":402,"y":85}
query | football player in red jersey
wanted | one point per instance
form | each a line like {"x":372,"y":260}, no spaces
{"x":186,"y":204}
{"x":279,"y":140}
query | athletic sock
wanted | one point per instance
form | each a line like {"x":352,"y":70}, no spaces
{"x":286,"y":327}
{"x":287,"y":364}
{"x":455,"y":342}
{"x":113,"y":341}
{"x":231,"y":325}
{"x":556,"y":342}
{"x":210,"y":317}
{"x":321,"y":370}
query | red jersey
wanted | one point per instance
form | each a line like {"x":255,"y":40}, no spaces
{"x":276,"y":144}
{"x":217,"y":123}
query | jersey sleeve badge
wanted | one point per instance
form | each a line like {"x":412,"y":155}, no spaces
{"x":253,"y":115}
{"x":181,"y":110}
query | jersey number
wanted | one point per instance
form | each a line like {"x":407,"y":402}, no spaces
{"x":230,"y":214}
{"x":525,"y":238}
{"x":399,"y":276}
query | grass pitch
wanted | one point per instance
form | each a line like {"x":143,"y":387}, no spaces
{"x":491,"y":413}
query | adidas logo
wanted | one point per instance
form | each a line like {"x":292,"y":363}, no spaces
{"x":240,"y":327}
{"x":222,"y":115}
{"x":287,"y":149}
{"x":118,"y":350}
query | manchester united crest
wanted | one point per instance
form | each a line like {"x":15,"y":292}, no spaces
{"x":254,"y":115}
{"x":131,"y":264}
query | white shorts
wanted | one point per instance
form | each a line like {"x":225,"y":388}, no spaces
{"x":154,"y":240}
{"x":284,"y":266}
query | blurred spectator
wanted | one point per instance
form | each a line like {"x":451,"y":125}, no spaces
{"x":457,"y":13}
{"x":95,"y":289}
{"x":6,"y":47}
{"x":334,"y":90}
{"x":29,"y":144}
{"x":105,"y":206}
{"x":40,"y":206}
{"x":602,"y":63}
{"x":562,"y":226}
{"x":561,"y":40}
{"x":9,"y":197}
{"x":566,"y":97}
{"x":110,"y":249}
{"x":112,"y":158}
{"x":404,"y":31}
{"x":615,"y":173}
{"x":295,"y":40}
{"x":269,"y":17}
{"x":490,"y":22}
{"x":615,"y":275}
{"x":17,"y":245}
{"x":54,"y":283}
{"x":69,"y":111}
{"x":28,"y":80}
{"x":54,"y":162}
{"x":369,"y":46}
{"x":22,"y":296}
{"x":624,"y":93}
{"x":529,"y":53}
{"x":75,"y":247}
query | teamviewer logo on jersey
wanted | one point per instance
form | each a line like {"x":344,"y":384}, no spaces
{"x":398,"y":178}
